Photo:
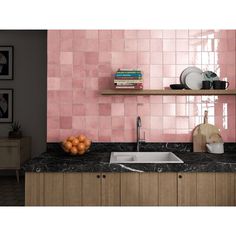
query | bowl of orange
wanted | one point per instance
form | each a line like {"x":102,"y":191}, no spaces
{"x":76,"y":145}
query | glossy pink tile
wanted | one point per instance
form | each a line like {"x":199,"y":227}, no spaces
{"x":117,"y":109}
{"x":65,"y":122}
{"x":156,"y":45}
{"x":66,"y":58}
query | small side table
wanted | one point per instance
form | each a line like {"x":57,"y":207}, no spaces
{"x":14,"y":152}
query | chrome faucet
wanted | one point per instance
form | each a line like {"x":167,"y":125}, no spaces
{"x":138,"y":126}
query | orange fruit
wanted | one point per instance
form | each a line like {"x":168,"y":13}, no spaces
{"x":68,"y":145}
{"x":73,"y":151}
{"x":75,"y":142}
{"x":81,"y":138}
{"x":71,"y":138}
{"x":81,"y":152}
{"x":87,"y":143}
{"x":81,"y":147}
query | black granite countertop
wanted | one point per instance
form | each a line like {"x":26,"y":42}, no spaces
{"x":97,"y":160}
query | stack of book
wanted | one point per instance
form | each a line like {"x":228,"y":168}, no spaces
{"x":128,"y":79}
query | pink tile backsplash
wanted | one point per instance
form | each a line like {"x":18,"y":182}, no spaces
{"x":81,"y":64}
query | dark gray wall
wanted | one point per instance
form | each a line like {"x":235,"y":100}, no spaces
{"x":29,"y":84}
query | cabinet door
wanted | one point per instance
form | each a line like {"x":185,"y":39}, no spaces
{"x":34,"y":189}
{"x":53,"y":189}
{"x":111,"y":189}
{"x":225,"y":189}
{"x":206,"y":189}
{"x":187,"y":189}
{"x":72,"y":189}
{"x":149,"y":189}
{"x":91,"y":189}
{"x":129,"y":189}
{"x":167,"y":189}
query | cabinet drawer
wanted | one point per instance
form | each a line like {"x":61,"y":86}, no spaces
{"x":9,"y":157}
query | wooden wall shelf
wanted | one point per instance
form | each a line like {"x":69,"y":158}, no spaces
{"x":168,"y":92}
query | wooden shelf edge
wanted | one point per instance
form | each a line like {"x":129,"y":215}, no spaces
{"x":168,"y":92}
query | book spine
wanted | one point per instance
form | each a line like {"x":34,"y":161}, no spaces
{"x":129,"y":86}
{"x":128,"y":81}
{"x":128,"y":78}
{"x":128,"y":75}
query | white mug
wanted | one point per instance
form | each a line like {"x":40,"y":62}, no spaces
{"x":217,"y":148}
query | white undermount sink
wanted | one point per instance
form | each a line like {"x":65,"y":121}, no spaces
{"x":144,"y":157}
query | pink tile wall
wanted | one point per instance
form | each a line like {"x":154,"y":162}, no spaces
{"x":81,"y":64}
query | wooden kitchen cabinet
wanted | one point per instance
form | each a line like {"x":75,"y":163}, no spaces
{"x":130,"y":189}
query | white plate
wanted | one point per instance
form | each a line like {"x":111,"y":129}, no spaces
{"x":194,"y":80}
{"x":188,"y":70}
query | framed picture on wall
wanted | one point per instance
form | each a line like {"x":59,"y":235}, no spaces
{"x":6,"y":62}
{"x":6,"y":105}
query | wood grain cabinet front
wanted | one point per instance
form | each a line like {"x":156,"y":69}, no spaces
{"x":130,"y":189}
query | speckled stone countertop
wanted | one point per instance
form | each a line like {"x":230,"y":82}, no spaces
{"x":97,"y":160}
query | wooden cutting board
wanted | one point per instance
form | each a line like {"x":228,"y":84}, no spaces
{"x":205,"y":133}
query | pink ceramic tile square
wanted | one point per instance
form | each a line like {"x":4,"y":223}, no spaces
{"x":130,"y":109}
{"x":66,"y":58}
{"x":143,"y":109}
{"x":66,"y":71}
{"x":169,"y":99}
{"x":105,"y":45}
{"x":156,"y":45}
{"x":131,"y":44}
{"x":104,"y":109}
{"x":104,"y":135}
{"x":208,"y":58}
{"x":78,"y":122}
{"x":65,"y":122}
{"x":182,"y":58}
{"x":53,"y":122}
{"x":78,"y":110}
{"x":130,"y":59}
{"x":117,"y":135}
{"x":118,"y":44}
{"x":169,"y":70}
{"x":169,"y":58}
{"x":65,"y":109}
{"x":91,"y":109}
{"x":92,"y":134}
{"x":92,"y":45}
{"x":156,"y":83}
{"x":54,"y":40}
{"x":117,"y":109}
{"x":104,"y":122}
{"x":143,"y":34}
{"x":156,"y":33}
{"x":53,"y":135}
{"x":117,"y":58}
{"x":181,"y":109}
{"x":182,"y":45}
{"x":156,"y":58}
{"x":54,"y":83}
{"x":195,"y":33}
{"x":79,"y":34}
{"x":79,"y":96}
{"x":146,"y":122}
{"x":80,"y":45}
{"x":169,"y":122}
{"x":144,"y":58}
{"x":53,"y":57}
{"x":156,"y":122}
{"x":168,"y":34}
{"x":92,"y":122}
{"x":66,"y":41}
{"x":65,"y":96}
{"x":181,"y":99}
{"x":156,"y":71}
{"x":91,"y":58}
{"x":65,"y":133}
{"x":169,"y":45}
{"x":117,"y":122}
{"x":155,"y":136}
{"x":195,"y":45}
{"x":143,"y":99}
{"x":117,"y":99}
{"x":181,"y":34}
{"x":130,"y":34}
{"x":156,"y":109}
{"x":130,"y":99}
{"x":79,"y":58}
{"x":78,"y":83}
{"x":104,"y":34}
{"x":130,"y":122}
{"x":169,"y":110}
{"x":195,"y":58}
{"x":66,"y":84}
{"x":52,"y":96}
{"x":156,"y":99}
{"x":143,"y":44}
{"x":53,"y":70}
{"x":104,"y":57}
{"x":129,"y":135}
{"x":182,"y":123}
{"x":117,"y":34}
{"x":91,"y":34}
